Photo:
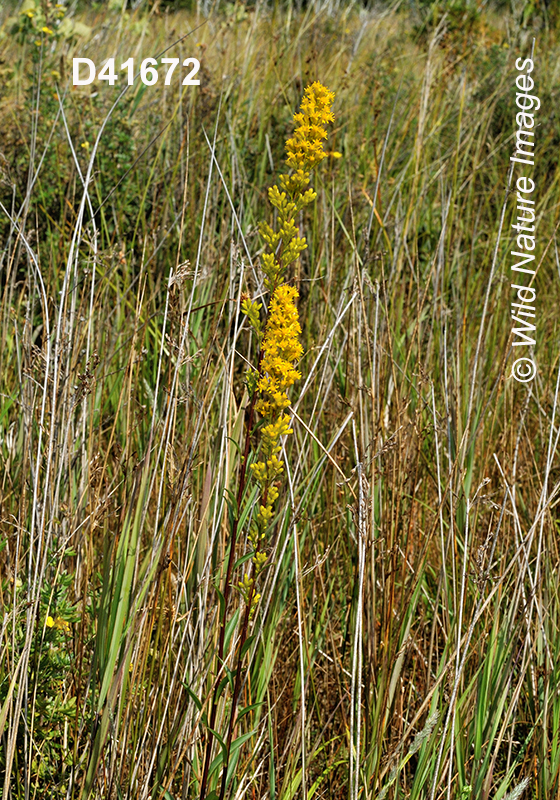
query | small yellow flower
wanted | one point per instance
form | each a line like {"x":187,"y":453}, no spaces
{"x":245,"y":587}
{"x":62,"y":624}
{"x":259,"y":560}
{"x":85,"y":145}
{"x":59,"y":623}
{"x":254,"y":603}
{"x":47,"y":31}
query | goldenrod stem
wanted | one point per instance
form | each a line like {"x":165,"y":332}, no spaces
{"x":237,"y":685}
{"x":227,"y":587}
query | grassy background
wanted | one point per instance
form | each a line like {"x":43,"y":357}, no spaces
{"x":407,"y":640}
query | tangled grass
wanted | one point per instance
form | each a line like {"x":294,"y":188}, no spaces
{"x":406,"y":641}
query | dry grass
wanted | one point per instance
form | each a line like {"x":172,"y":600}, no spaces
{"x":414,"y":565}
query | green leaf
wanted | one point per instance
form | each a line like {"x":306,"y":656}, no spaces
{"x":248,"y":506}
{"x":219,"y":759}
{"x":243,"y":559}
{"x":221,"y":600}
{"x":248,"y":709}
{"x":231,"y":503}
{"x":230,"y":627}
{"x":193,"y":697}
{"x":246,"y":645}
{"x":234,"y":754}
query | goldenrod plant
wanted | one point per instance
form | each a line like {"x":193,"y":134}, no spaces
{"x":269,"y":382}
{"x":280,"y":346}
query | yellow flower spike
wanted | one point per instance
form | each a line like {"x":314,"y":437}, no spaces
{"x":276,"y":197}
{"x":50,"y":622}
{"x":259,"y":471}
{"x":269,"y":383}
{"x":281,"y":348}
{"x":254,"y":536}
{"x":269,"y":235}
{"x":305,"y":148}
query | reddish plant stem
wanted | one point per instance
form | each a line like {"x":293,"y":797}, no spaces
{"x":237,"y":684}
{"x":250,"y":415}
{"x":227,"y":587}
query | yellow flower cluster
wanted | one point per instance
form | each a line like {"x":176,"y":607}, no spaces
{"x":59,"y":623}
{"x":245,"y":587}
{"x":304,"y":151}
{"x":280,"y":346}
{"x":305,"y":148}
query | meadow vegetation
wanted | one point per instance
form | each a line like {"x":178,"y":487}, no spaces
{"x":406,"y":643}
